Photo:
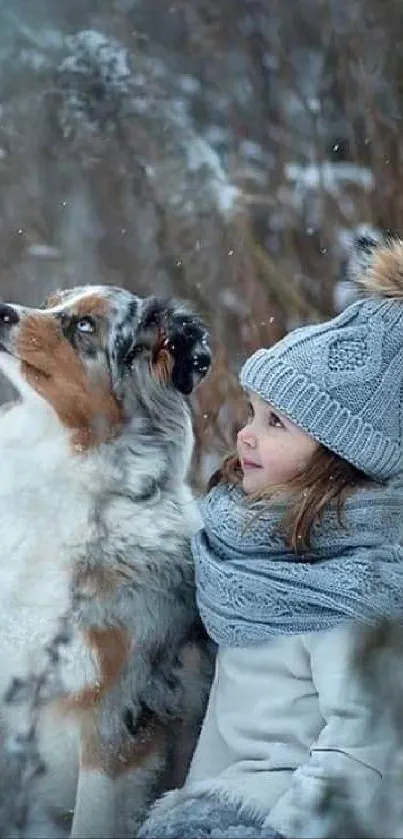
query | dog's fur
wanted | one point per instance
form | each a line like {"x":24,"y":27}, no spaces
{"x":97,"y":602}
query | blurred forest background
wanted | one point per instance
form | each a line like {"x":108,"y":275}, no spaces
{"x":224,"y":152}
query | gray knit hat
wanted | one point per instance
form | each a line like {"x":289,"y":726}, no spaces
{"x":342,"y":381}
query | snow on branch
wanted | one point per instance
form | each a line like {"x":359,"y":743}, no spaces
{"x":105,"y":88}
{"x":332,"y":176}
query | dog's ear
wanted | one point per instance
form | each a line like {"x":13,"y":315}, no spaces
{"x":175,"y":341}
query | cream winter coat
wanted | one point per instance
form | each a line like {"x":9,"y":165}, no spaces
{"x":286,"y":716}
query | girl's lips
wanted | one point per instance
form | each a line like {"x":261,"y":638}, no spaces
{"x":248,"y":464}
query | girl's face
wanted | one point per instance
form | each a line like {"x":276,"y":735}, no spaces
{"x":272,"y":450}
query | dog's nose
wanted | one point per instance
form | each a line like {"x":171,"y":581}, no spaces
{"x":8,"y":315}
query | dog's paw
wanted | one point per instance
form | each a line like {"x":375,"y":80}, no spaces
{"x":187,"y":341}
{"x":175,"y":340}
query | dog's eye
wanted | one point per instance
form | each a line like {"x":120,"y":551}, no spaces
{"x":86,"y":325}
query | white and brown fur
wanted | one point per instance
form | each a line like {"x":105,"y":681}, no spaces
{"x":97,"y":609}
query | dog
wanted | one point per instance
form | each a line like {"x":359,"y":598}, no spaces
{"x":97,"y":605}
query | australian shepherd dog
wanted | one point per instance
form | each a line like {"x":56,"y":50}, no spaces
{"x":97,"y":608}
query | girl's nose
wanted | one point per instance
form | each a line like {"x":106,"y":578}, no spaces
{"x":247,"y":437}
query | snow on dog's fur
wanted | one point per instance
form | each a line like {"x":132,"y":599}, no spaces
{"x":97,"y":603}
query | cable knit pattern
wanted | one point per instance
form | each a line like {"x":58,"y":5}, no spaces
{"x":342,"y":382}
{"x":251,"y":586}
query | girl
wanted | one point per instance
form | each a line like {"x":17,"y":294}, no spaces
{"x":300,"y":546}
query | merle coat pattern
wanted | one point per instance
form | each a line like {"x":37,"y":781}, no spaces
{"x":97,"y":610}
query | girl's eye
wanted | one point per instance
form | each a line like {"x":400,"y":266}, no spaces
{"x":250,"y":410}
{"x":275,"y":421}
{"x":86,"y":325}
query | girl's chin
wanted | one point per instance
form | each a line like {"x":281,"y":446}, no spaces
{"x":250,"y":484}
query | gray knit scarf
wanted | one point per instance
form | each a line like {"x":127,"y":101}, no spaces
{"x":251,"y":586}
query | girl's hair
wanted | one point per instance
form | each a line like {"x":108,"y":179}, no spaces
{"x":328,"y":477}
